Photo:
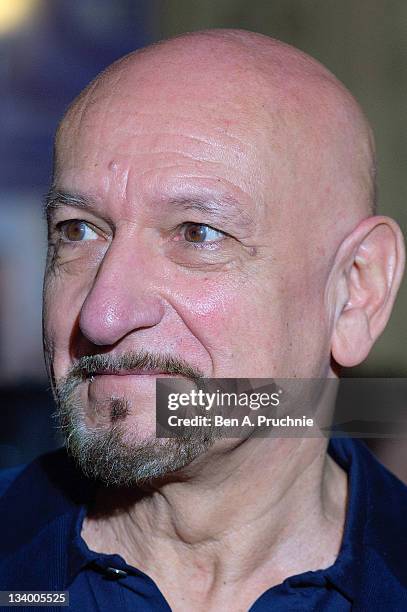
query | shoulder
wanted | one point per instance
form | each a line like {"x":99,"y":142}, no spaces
{"x":8,"y":475}
{"x":39,"y":503}
{"x":383,"y":486}
{"x":50,"y":480}
{"x":50,"y":486}
{"x":386,"y":540}
{"x":378,"y":503}
{"x":356,"y":458}
{"x":381,"y":492}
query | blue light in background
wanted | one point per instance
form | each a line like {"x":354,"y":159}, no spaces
{"x":45,"y":64}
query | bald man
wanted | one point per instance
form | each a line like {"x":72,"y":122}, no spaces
{"x":212,"y":214}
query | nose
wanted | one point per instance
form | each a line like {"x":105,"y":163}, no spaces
{"x":121,"y":299}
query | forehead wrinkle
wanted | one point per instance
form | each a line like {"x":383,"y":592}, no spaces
{"x":224,"y":208}
{"x":94,"y":94}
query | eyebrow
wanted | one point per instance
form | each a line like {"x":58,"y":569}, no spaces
{"x":56,"y":199}
{"x":225,"y":209}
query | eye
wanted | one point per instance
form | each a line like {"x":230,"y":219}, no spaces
{"x":76,"y":230}
{"x":199,"y":232}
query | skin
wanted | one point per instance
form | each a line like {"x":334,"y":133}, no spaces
{"x":303,"y":284}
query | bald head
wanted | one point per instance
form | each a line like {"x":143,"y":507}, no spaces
{"x":316,"y":145}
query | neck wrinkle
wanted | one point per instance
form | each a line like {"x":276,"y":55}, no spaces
{"x":286,"y":517}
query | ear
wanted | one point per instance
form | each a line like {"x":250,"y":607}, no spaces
{"x":369,"y":267}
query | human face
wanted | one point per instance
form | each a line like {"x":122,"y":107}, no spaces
{"x":173,"y":232}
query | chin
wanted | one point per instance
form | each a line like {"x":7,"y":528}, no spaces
{"x":118,"y":449}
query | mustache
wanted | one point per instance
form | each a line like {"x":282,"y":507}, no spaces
{"x":89,"y":365}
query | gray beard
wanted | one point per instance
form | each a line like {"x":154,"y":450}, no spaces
{"x":110,"y":457}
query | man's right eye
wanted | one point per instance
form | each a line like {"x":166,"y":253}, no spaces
{"x":76,"y":230}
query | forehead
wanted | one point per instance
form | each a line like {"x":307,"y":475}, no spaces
{"x":163,"y":131}
{"x":168,"y":125}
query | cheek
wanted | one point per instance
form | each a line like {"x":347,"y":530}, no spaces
{"x":60,"y":313}
{"x":267,"y":327}
{"x":306,"y":337}
{"x":205,"y":306}
{"x":234,"y":324}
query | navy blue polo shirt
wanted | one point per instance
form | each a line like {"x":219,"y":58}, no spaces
{"x":43,"y":505}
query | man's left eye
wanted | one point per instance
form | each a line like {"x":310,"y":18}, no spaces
{"x":76,"y":230}
{"x":199,"y":232}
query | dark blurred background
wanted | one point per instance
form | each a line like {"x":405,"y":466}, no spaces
{"x":50,"y":49}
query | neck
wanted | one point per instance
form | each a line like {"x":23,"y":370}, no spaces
{"x":229,"y":521}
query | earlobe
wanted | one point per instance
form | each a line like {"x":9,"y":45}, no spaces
{"x":371,"y":260}
{"x":352,"y":339}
